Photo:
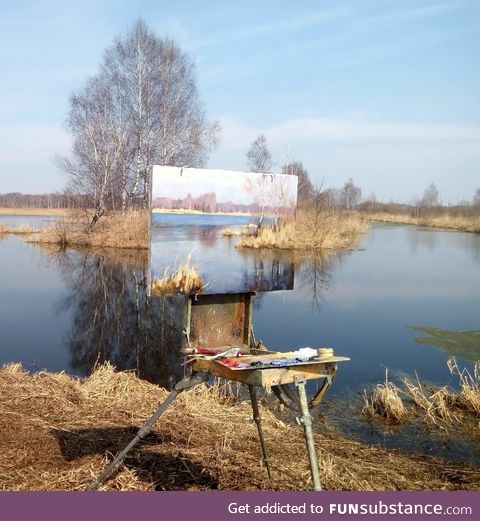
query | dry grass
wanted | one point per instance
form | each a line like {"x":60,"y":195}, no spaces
{"x":457,"y":222}
{"x":320,"y":231}
{"x":57,"y":433}
{"x":385,"y":401}
{"x":22,"y":229}
{"x":469,"y":397}
{"x":112,"y":231}
{"x":440,"y":406}
{"x":184,"y":279}
{"x":34,"y":211}
{"x":436,"y":407}
{"x":231,"y":232}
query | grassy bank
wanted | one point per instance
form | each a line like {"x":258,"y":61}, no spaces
{"x":184,"y":278}
{"x":112,"y":231}
{"x":57,"y":433}
{"x":34,"y":211}
{"x":442,"y":406}
{"x":319,"y":231}
{"x":467,"y":223}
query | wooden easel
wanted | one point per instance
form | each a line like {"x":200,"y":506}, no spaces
{"x":215,"y":326}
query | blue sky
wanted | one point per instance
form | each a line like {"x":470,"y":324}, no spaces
{"x":386,"y":92}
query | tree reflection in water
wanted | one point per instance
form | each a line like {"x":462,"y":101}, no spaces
{"x":314,"y":274}
{"x":113,"y":320}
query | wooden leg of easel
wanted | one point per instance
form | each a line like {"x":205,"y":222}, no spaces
{"x":258,"y":421}
{"x":306,"y":421}
{"x":187,"y":383}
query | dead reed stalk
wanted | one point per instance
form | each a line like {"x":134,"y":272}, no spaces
{"x":384,"y":400}
{"x":469,"y":396}
{"x":434,"y":406}
{"x":184,"y":279}
{"x":313,"y":230}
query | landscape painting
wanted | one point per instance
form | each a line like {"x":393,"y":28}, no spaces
{"x":200,"y":223}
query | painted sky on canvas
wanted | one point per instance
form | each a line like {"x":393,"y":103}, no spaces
{"x":226,"y":184}
{"x":384,"y":92}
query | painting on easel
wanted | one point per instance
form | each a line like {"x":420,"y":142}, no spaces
{"x":202,"y":223}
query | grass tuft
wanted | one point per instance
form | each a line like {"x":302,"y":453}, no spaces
{"x":112,"y":231}
{"x":384,"y":400}
{"x":185,"y":279}
{"x":324,"y":230}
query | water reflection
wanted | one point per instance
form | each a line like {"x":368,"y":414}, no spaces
{"x":417,"y":238}
{"x":113,"y":320}
{"x":223,"y":267}
{"x":315,"y":275}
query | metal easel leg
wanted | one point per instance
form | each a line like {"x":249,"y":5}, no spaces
{"x":306,"y":421}
{"x":258,"y":421}
{"x":187,"y":383}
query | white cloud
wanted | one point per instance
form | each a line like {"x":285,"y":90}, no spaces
{"x":236,"y":135}
{"x":396,"y":160}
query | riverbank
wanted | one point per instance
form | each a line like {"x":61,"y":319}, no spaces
{"x":129,"y":231}
{"x":35,"y":211}
{"x":325,"y":231}
{"x":451,"y":222}
{"x":59,"y":432}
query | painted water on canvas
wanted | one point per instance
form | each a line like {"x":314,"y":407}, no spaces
{"x":197,"y":219}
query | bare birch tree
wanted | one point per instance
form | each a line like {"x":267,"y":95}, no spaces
{"x":259,"y":158}
{"x":142,"y":108}
{"x":305,"y":188}
{"x":350,"y":195}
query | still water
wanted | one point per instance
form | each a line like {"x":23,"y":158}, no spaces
{"x":70,"y":310}
{"x":223,"y":267}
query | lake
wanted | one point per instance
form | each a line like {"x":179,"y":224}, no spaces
{"x":223,"y":267}
{"x":71,"y":310}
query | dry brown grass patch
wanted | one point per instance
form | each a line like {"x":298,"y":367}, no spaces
{"x":112,"y":231}
{"x":184,"y":279}
{"x":34,"y":211}
{"x":57,"y":433}
{"x":384,"y":400}
{"x":469,"y":397}
{"x":452,"y":222}
{"x":231,"y":232}
{"x":325,"y":230}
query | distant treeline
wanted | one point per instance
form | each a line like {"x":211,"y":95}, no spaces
{"x":208,"y":203}
{"x":58,"y":200}
{"x":55,"y":200}
{"x":417,"y":209}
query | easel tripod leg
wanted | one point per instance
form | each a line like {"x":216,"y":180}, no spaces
{"x":258,"y":421}
{"x":186,"y":383}
{"x":306,"y":421}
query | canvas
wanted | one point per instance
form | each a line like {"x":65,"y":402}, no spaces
{"x":198,"y":219}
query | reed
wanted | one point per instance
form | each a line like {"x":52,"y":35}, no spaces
{"x":469,"y":397}
{"x":231,"y":232}
{"x":329,"y":229}
{"x":436,"y":406}
{"x":112,"y":231}
{"x":184,"y":279}
{"x":441,"y":406}
{"x":59,"y":432}
{"x":468,"y":223}
{"x":22,"y":229}
{"x":384,"y":400}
